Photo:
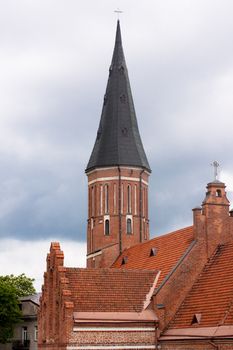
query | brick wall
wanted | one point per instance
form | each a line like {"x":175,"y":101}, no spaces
{"x":117,"y":195}
{"x":112,"y":338}
{"x":212,"y":226}
{"x":55,"y":317}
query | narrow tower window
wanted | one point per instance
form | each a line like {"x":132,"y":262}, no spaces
{"x":146,"y":202}
{"x":135,"y":199}
{"x":129,"y":226}
{"x":106,"y":199}
{"x":92,"y":201}
{"x":129,"y":199}
{"x":101,"y":200}
{"x":114,"y":198}
{"x":106,"y":228}
{"x":218,"y":193}
{"x":122,"y":198}
{"x":143,"y":202}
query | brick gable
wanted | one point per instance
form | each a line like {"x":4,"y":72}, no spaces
{"x":87,"y":298}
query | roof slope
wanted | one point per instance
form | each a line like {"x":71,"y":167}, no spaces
{"x":211,"y":295}
{"x":109,"y":290}
{"x":118,"y":140}
{"x":169,"y":249}
{"x":35,"y":298}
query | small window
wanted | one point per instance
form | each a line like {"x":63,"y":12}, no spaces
{"x":218,"y":193}
{"x":129,"y":226}
{"x":123,"y":98}
{"x":124,"y":260}
{"x":153,"y":251}
{"x":24,"y":334}
{"x":107,"y":228}
{"x":35,"y":333}
{"x":121,"y":69}
{"x":196,"y":319}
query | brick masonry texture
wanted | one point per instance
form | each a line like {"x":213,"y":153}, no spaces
{"x":107,"y":338}
{"x":116,"y":194}
{"x":69,"y":290}
{"x":196,"y":270}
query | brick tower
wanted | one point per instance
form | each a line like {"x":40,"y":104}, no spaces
{"x":117,"y":172}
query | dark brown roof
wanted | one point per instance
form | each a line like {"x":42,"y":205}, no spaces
{"x":161,"y":253}
{"x":109,"y":290}
{"x":118,"y":141}
{"x":211,"y":297}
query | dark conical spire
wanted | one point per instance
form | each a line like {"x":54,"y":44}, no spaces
{"x":118,"y":140}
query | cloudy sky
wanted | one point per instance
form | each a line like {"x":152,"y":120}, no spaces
{"x":54,"y":60}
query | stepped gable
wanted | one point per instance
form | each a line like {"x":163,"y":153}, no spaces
{"x":161,"y":253}
{"x":211,"y":297}
{"x":118,"y":141}
{"x":109,"y":290}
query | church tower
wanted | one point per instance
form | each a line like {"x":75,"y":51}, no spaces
{"x":117,"y":172}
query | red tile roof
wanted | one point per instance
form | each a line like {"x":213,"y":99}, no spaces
{"x":109,"y":290}
{"x":211,"y":295}
{"x":169,"y":249}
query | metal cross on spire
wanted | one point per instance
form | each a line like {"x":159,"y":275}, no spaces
{"x":215,"y":164}
{"x":118,"y":12}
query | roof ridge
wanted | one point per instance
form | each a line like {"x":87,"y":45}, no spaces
{"x":111,"y":269}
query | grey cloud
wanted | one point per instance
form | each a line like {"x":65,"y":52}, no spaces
{"x":55,"y":59}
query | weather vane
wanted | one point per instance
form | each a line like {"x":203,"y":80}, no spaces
{"x":215,"y":164}
{"x":118,"y":11}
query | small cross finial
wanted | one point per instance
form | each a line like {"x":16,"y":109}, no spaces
{"x":118,"y":11}
{"x":215,"y":164}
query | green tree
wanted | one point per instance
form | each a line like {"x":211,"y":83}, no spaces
{"x":11,"y":288}
{"x":23,"y":285}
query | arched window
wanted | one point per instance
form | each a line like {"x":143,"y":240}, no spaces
{"x":122,"y":198}
{"x":135,"y":199}
{"x":129,"y":226}
{"x":146,"y":202}
{"x":114,"y":198}
{"x":143,"y":201}
{"x":106,"y":228}
{"x":92,"y":201}
{"x":101,"y":199}
{"x":218,"y":193}
{"x":129,"y":199}
{"x":106,"y":199}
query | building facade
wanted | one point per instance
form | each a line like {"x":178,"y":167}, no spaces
{"x":171,"y":292}
{"x":26,"y":332}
